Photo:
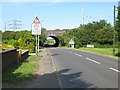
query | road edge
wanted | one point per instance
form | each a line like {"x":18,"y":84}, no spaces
{"x":94,"y":53}
{"x":55,"y":68}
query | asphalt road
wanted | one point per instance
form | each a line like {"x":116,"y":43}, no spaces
{"x":78,"y":69}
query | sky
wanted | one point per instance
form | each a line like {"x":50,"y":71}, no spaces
{"x":55,"y":15}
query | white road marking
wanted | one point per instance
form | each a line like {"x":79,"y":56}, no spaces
{"x":69,"y":51}
{"x":93,"y":61}
{"x":115,"y":70}
{"x":78,"y":54}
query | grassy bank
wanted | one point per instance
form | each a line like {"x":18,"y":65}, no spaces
{"x":104,"y":51}
{"x":19,"y":72}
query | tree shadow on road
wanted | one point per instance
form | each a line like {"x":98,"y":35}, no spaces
{"x":50,"y":80}
{"x":74,"y":80}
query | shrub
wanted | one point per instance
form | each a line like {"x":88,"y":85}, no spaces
{"x":16,"y":45}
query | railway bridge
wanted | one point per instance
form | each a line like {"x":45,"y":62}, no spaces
{"x":53,"y":34}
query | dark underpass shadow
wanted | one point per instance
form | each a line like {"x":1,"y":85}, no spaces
{"x":51,"y":81}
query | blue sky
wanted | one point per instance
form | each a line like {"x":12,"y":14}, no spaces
{"x":56,"y":15}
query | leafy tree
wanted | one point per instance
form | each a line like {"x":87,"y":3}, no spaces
{"x":7,"y":35}
{"x":10,"y":42}
{"x":105,"y":35}
{"x":96,"y":32}
{"x":21,"y":42}
{"x":16,"y":45}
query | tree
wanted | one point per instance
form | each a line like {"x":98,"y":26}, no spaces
{"x":14,"y":43}
{"x":95,"y":32}
{"x":7,"y":35}
{"x":105,"y":35}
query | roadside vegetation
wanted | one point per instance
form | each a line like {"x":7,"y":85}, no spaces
{"x":105,"y":51}
{"x":97,"y":33}
{"x":20,"y":40}
{"x":50,"y":41}
{"x":19,"y":72}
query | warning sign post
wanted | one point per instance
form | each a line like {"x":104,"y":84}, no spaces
{"x":36,"y":30}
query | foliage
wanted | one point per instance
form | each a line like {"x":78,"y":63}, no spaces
{"x":16,"y":45}
{"x":105,"y":35}
{"x":22,"y":39}
{"x":7,"y":35}
{"x":5,"y":46}
{"x":51,"y":41}
{"x":99,"y":32}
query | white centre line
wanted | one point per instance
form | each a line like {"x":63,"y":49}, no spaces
{"x":115,"y":70}
{"x":93,"y":61}
{"x":69,"y":51}
{"x":78,"y":54}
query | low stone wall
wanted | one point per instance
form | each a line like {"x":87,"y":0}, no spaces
{"x":8,"y":57}
{"x":23,"y":54}
{"x":13,"y":55}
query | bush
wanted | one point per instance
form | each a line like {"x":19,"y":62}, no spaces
{"x":118,"y":54}
{"x":77,"y":46}
{"x":5,"y":46}
{"x":98,"y":45}
{"x":16,"y":45}
{"x":5,"y":41}
{"x":31,"y":47}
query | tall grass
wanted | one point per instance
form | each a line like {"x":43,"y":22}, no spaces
{"x":19,"y":72}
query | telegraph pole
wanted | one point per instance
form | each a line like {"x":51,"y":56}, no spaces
{"x":114,"y":33}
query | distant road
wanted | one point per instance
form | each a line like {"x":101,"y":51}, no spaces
{"x":78,"y":69}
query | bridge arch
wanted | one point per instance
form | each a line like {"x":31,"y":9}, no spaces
{"x":56,"y":44}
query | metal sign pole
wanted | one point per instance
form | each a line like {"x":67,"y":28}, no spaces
{"x":36,"y":44}
{"x":36,"y":30}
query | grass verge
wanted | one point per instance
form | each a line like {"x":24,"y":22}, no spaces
{"x":103,"y":51}
{"x":19,"y":72}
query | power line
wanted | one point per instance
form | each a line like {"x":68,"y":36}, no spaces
{"x":15,"y":24}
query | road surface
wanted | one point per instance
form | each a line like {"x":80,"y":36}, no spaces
{"x":78,"y":69}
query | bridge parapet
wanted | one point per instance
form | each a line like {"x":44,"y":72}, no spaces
{"x":55,"y":32}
